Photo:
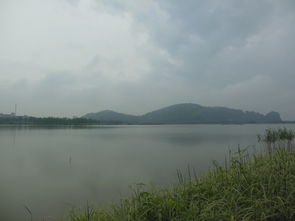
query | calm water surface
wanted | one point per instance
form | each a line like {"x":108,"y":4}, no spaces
{"x":51,"y":170}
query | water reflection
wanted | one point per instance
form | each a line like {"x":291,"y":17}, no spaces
{"x":49,"y":169}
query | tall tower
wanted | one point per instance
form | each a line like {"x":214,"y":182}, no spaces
{"x":15,"y":109}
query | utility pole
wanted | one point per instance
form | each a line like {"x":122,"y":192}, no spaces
{"x":15,"y":109}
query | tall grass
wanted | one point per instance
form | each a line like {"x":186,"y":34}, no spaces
{"x":277,"y":138}
{"x":260,"y":187}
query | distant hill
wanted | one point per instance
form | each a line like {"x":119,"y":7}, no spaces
{"x":187,"y":114}
{"x":112,"y":116}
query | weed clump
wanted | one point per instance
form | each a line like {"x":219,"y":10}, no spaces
{"x":277,"y":139}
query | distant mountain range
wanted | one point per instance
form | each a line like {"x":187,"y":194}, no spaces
{"x":187,"y":114}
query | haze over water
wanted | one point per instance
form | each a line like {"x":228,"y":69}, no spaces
{"x":51,"y":170}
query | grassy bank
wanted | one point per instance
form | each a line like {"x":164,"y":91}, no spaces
{"x":260,"y":187}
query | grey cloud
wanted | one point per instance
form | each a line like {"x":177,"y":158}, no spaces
{"x":226,"y":43}
{"x":73,"y":2}
{"x":220,"y":23}
{"x":197,"y":32}
{"x":234,"y":53}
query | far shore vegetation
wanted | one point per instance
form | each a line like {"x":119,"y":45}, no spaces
{"x":64,"y":121}
{"x":46,"y":121}
{"x":247,"y":187}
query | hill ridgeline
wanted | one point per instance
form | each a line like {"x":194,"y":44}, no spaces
{"x":187,"y":114}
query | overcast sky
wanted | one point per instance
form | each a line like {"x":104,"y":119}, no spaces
{"x":71,"y":57}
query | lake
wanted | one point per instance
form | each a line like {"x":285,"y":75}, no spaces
{"x":52,"y":170}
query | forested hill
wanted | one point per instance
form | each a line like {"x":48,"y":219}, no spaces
{"x":188,"y":114}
